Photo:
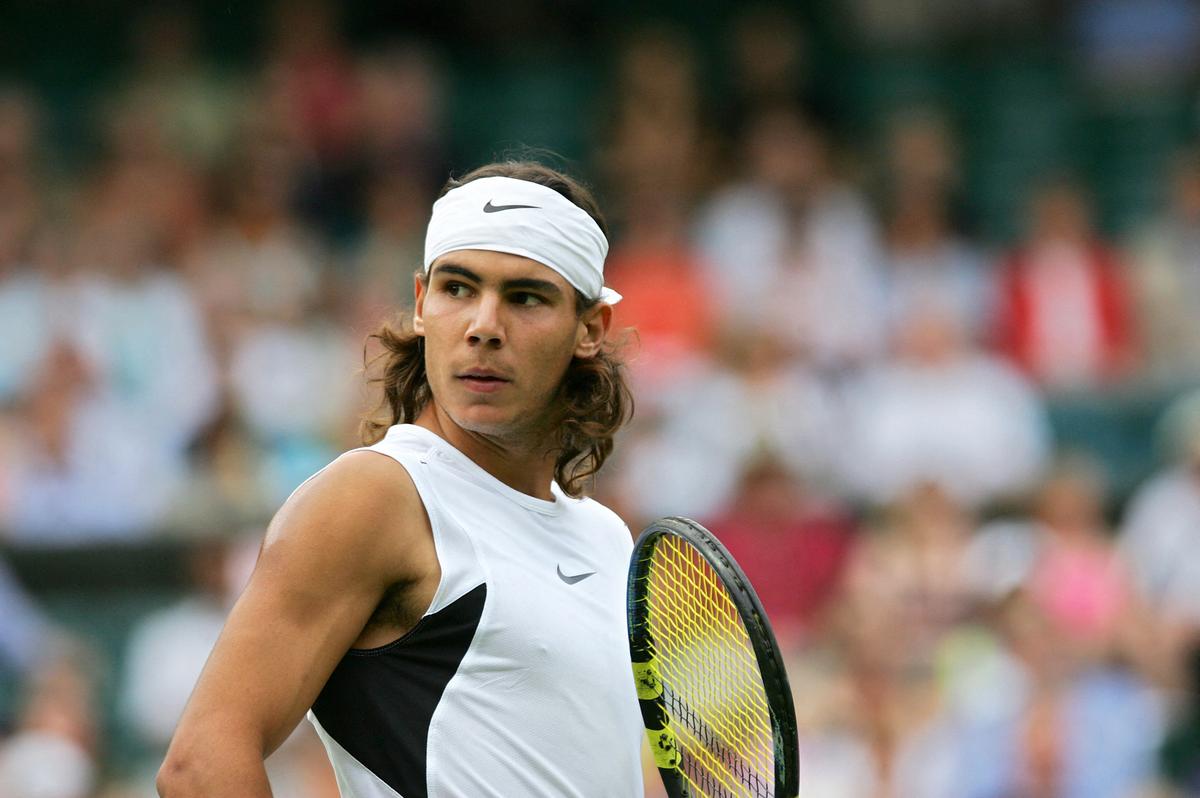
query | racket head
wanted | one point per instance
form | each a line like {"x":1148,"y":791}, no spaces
{"x":708,"y":669}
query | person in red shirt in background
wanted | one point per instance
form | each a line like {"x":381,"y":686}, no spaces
{"x":1064,"y":309}
{"x":792,"y":545}
{"x":666,"y":302}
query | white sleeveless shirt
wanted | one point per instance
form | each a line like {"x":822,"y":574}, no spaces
{"x":516,"y":681}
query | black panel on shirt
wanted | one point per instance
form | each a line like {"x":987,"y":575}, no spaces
{"x":378,"y":702}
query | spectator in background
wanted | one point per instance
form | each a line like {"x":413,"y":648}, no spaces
{"x":78,"y":464}
{"x":53,"y":751}
{"x":652,"y":164}
{"x":657,"y":143}
{"x":906,"y":587}
{"x":689,"y":451}
{"x":21,"y":158}
{"x":904,"y":593}
{"x":402,"y":99}
{"x":944,"y":411}
{"x":1064,"y":309}
{"x":138,"y":325}
{"x":271,"y":302}
{"x":225,"y":489}
{"x":929,"y":267}
{"x":792,"y":247}
{"x":1077,"y":581}
{"x":1058,"y":726}
{"x":122,"y":386}
{"x":291,"y":386}
{"x":390,"y":252}
{"x":167,"y":648}
{"x":29,"y":273}
{"x":402,"y":108}
{"x":312,"y":89}
{"x":142,"y":178}
{"x":1160,"y":533}
{"x":664,"y":300}
{"x":1165,"y":276}
{"x":1076,"y":719}
{"x":311,"y":80}
{"x":792,"y":545}
{"x":261,"y":262}
{"x":29,"y":314}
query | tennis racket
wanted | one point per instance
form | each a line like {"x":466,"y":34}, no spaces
{"x":711,"y":684}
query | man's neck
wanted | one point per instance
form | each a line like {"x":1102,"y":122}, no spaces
{"x":523,"y":461}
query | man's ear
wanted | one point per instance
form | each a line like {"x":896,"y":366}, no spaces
{"x":593,"y":328}
{"x":419,"y":288}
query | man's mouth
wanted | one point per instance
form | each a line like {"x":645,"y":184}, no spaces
{"x":482,"y":380}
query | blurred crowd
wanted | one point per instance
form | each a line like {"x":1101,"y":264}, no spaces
{"x":833,"y":369}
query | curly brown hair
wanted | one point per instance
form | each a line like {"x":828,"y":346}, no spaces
{"x":594,"y":397}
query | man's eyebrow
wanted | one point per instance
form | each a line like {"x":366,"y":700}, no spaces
{"x":516,"y":284}
{"x":531,"y":284}
{"x":454,"y":268}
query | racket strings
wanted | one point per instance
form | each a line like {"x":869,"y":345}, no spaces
{"x":714,"y":691}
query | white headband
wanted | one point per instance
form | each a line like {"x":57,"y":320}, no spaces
{"x":503,"y":214}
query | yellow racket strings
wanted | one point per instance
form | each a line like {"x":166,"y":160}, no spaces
{"x":716,"y":696}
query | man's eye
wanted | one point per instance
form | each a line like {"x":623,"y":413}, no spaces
{"x":456,"y":289}
{"x":525,"y":298}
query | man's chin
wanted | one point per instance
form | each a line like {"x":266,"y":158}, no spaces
{"x":486,"y":419}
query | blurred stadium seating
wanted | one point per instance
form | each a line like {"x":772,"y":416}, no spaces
{"x":205,"y":209}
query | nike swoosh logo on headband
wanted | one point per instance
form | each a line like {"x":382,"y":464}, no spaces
{"x":490,"y":208}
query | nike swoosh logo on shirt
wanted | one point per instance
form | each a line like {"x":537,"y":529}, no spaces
{"x":570,"y":580}
{"x":490,"y":208}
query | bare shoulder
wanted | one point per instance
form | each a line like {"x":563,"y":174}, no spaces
{"x":362,"y":511}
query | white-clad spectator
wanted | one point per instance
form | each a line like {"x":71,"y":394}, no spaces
{"x":24,"y":305}
{"x":167,"y":648}
{"x":293,"y":385}
{"x":261,"y":263}
{"x":1160,"y":534}
{"x":79,"y":465}
{"x":244,"y":275}
{"x":719,"y":417}
{"x":1165,"y":276}
{"x":25,"y":309}
{"x":941,"y":275}
{"x":795,"y":248}
{"x":141,"y":332}
{"x":945,"y":412}
{"x":38,"y":764}
{"x":930,"y":265}
{"x":52,"y":751}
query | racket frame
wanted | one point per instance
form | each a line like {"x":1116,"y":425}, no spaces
{"x":762,"y":638}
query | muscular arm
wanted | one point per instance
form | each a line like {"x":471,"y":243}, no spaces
{"x":330,"y":554}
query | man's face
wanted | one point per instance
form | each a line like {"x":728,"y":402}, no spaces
{"x":500,"y":331}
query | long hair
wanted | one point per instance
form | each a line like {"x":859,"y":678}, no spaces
{"x":594,"y":399}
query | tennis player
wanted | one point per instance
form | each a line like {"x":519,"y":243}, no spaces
{"x":442,"y":604}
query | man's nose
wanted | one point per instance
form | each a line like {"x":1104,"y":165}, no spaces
{"x":485,"y":327}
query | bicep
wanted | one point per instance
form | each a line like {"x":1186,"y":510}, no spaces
{"x":280,"y":644}
{"x":320,"y":575}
